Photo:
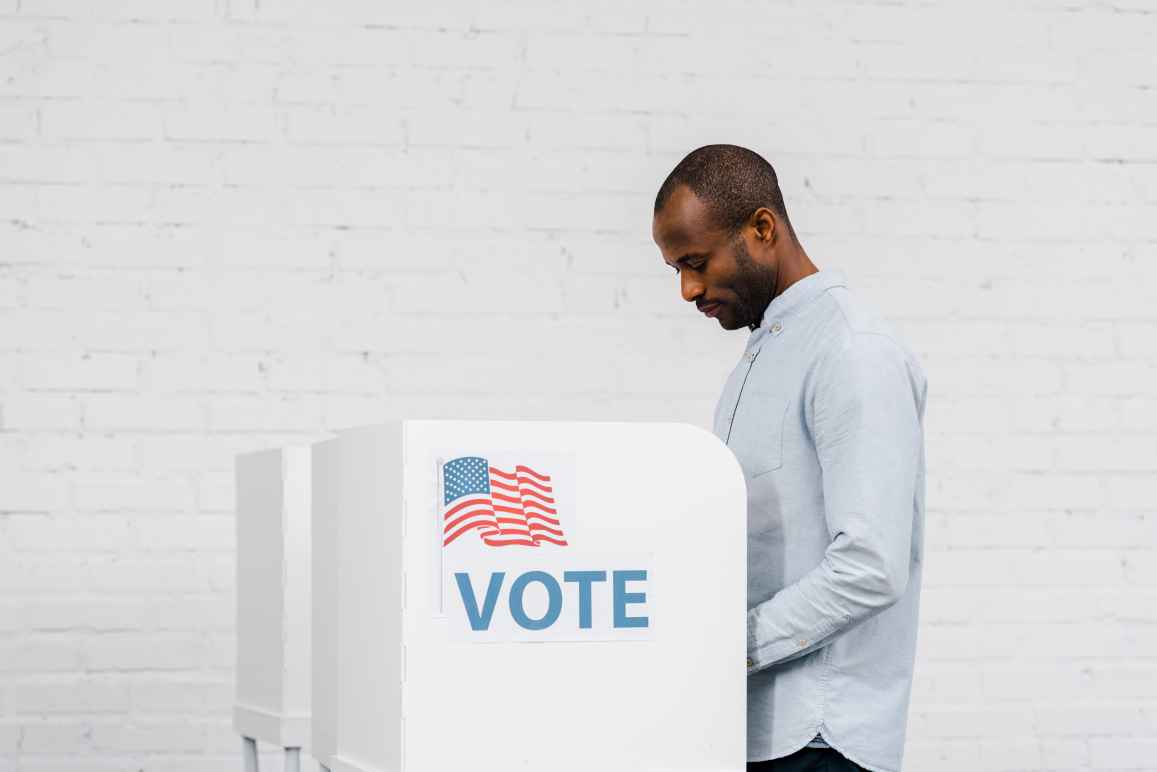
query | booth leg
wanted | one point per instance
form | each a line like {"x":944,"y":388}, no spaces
{"x":249,"y":752}
{"x":293,"y":760}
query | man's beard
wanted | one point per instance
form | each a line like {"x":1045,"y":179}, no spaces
{"x":755,"y":286}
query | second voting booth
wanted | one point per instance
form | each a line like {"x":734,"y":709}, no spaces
{"x":527,"y":595}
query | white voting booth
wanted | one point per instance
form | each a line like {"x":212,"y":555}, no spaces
{"x":273,"y":589}
{"x":502,"y":595}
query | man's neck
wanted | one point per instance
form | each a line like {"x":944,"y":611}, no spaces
{"x":795,"y":266}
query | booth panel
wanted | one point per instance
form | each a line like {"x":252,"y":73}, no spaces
{"x":273,"y":596}
{"x":358,"y":598}
{"x":324,"y":619}
{"x":260,"y":589}
{"x":297,"y":473}
{"x":653,"y":520}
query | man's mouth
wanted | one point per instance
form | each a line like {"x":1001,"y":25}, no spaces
{"x":710,"y":309}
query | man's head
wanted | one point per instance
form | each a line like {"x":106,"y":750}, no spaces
{"x":720,"y":222}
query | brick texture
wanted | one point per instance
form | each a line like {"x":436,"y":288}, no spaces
{"x":228,"y":224}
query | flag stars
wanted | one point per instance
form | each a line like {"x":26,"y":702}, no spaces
{"x":468,"y":475}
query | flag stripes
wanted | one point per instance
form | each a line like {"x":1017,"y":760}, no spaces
{"x":505,"y":508}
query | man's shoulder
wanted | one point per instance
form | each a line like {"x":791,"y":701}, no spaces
{"x":853,"y":315}
{"x":856,"y":330}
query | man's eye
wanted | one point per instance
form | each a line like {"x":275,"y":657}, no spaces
{"x":697,"y":265}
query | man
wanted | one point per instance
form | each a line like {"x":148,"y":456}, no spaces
{"x":825,"y":414}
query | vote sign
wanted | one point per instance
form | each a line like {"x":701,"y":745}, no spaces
{"x":512,"y":563}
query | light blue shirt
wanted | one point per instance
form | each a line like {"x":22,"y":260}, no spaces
{"x":825,"y":413}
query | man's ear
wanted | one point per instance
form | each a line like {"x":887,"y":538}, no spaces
{"x":758,"y":222}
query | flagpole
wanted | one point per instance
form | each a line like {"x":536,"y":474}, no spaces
{"x":440,"y":486}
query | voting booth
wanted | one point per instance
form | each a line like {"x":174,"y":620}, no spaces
{"x":273,"y":663}
{"x":496,"y":595}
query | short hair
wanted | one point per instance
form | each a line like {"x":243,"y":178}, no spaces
{"x":733,"y":181}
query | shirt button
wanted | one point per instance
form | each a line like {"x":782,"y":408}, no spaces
{"x":750,"y":662}
{"x":749,"y":356}
{"x":802,"y":642}
{"x":776,"y":328}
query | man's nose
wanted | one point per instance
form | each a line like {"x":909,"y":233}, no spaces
{"x":690,"y":286}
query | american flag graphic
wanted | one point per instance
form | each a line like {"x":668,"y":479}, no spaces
{"x":505,"y":508}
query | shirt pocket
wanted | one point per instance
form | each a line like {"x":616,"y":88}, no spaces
{"x":758,"y":432}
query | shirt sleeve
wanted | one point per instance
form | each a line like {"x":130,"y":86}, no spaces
{"x":865,"y":417}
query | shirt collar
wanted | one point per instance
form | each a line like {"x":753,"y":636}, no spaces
{"x":800,"y":294}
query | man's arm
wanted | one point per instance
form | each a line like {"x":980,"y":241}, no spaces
{"x":865,"y":422}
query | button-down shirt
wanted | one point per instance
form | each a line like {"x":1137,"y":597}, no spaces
{"x":825,"y":414}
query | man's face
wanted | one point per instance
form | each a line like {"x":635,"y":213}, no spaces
{"x":716,"y":271}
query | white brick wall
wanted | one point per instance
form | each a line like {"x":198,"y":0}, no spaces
{"x":234,"y":223}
